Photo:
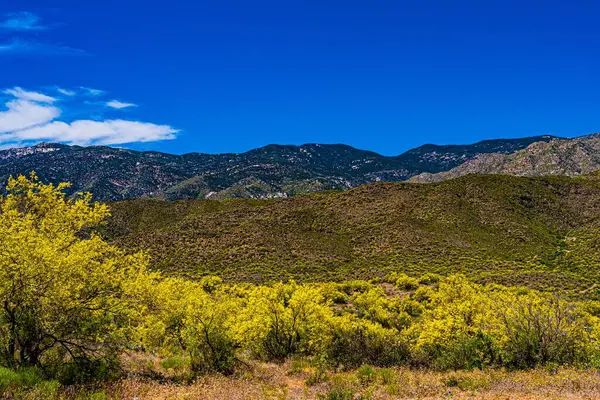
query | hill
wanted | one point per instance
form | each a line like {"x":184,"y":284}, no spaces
{"x":267,"y":172}
{"x":539,"y":232}
{"x":570,"y":157}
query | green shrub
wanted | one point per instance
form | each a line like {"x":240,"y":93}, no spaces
{"x":366,"y":375}
{"x":101,"y":395}
{"x":86,"y":371}
{"x":423,"y":294}
{"x":24,"y":377}
{"x":543,"y":329}
{"x":320,"y":373}
{"x":210,"y":283}
{"x":387,"y":376}
{"x":298,"y":366}
{"x":355,"y":342}
{"x":338,"y":394}
{"x":175,"y":363}
{"x":429,"y":279}
{"x":406,"y":282}
{"x":45,"y":390}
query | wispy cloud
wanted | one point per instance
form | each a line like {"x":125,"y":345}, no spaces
{"x":22,"y":21}
{"x":66,"y":92}
{"x":20,"y":46}
{"x":31,"y":116}
{"x":119,"y":105}
{"x":19,"y":93}
{"x":26,"y":23}
{"x":92,"y":91}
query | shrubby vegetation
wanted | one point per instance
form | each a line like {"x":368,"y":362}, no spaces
{"x":71,"y":305}
{"x":456,"y":324}
{"x":536,"y":232}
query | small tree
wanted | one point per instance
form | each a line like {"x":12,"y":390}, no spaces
{"x":62,"y":298}
{"x":540,"y":328}
{"x":283,"y":320}
{"x":207,"y":331}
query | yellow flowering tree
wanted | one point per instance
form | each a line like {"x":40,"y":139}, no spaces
{"x":62,"y":297}
{"x":282,"y":320}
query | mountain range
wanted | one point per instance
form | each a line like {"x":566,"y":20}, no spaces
{"x":531,"y":230}
{"x":570,"y":157}
{"x":268,"y":172}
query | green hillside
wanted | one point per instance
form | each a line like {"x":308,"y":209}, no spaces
{"x":539,"y":232}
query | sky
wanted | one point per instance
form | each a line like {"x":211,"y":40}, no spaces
{"x":228,"y":76}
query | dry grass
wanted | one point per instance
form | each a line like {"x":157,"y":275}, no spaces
{"x":278,"y":382}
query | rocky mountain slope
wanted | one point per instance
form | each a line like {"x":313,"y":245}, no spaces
{"x":539,"y":232}
{"x":270,"y":171}
{"x":570,"y":157}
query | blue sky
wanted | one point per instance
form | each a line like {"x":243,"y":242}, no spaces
{"x":228,"y":76}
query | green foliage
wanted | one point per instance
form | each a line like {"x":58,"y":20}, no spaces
{"x":535,"y":232}
{"x":320,"y":373}
{"x":541,"y":329}
{"x":366,"y":375}
{"x":338,"y":394}
{"x":26,"y":383}
{"x":429,"y":279}
{"x":22,"y":377}
{"x":406,"y":282}
{"x":72,"y":303}
{"x":174,"y":363}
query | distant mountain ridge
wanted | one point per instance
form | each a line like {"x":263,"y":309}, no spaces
{"x":571,"y":157}
{"x":267,"y":172}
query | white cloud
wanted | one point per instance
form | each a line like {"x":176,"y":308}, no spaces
{"x":22,"y":114}
{"x":92,"y":91}
{"x":66,"y":92}
{"x":30,"y":117}
{"x":118,"y":105}
{"x":19,"y":93}
{"x":88,"y":132}
{"x":22,"y":21}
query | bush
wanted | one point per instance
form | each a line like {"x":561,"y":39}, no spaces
{"x":207,"y":332}
{"x":338,"y":394}
{"x":406,"y":282}
{"x":429,"y":279}
{"x":210,"y":283}
{"x":26,"y":383}
{"x":540,"y":329}
{"x":175,"y":363}
{"x":24,"y":377}
{"x":86,"y":371}
{"x":366,"y":375}
{"x":387,"y":376}
{"x":283,"y":320}
{"x":354,"y":342}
